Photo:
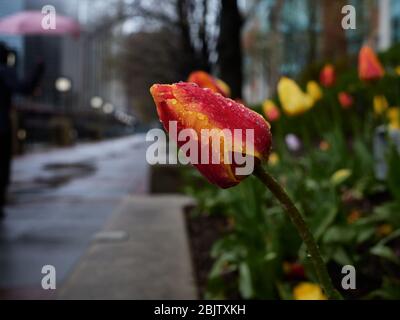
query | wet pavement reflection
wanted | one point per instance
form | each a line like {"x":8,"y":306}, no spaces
{"x":58,"y":201}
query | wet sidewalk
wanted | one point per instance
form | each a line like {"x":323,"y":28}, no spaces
{"x":142,"y":253}
{"x":59,"y":200}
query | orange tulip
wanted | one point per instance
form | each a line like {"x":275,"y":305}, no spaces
{"x":195,"y":108}
{"x":327,"y":76}
{"x":345,"y":100}
{"x":369,"y":66}
{"x":205,"y":80}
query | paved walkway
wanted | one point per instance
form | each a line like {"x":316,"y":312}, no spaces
{"x":142,"y":253}
{"x":62,"y":199}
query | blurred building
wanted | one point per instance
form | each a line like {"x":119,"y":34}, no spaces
{"x":82,"y":61}
{"x":283,"y":36}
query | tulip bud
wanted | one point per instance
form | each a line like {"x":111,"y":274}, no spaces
{"x":369,"y":66}
{"x":327,"y":77}
{"x":345,"y":100}
{"x":202,"y":111}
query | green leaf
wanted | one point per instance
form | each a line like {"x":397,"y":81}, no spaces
{"x":365,"y":233}
{"x":245,"y":285}
{"x":393,"y":174}
{"x":284,"y":290}
{"x":324,"y":221}
{"x":339,"y":234}
{"x":340,"y":176}
{"x":390,"y":290}
{"x":385,"y":253}
{"x":341,"y":257}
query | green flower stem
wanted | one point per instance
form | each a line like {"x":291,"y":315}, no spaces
{"x":302,"y":228}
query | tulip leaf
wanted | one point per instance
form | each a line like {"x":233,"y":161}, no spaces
{"x":385,"y":253}
{"x":245,"y":285}
{"x":340,"y":176}
{"x":339,"y":235}
{"x":390,"y":290}
{"x":393,"y":175}
{"x":324,"y":221}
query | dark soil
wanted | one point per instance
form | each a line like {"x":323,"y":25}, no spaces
{"x":203,"y":231}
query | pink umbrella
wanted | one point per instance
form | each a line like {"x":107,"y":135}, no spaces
{"x":30,"y":23}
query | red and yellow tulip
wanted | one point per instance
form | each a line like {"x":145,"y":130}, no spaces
{"x":271,"y":111}
{"x":369,"y":66}
{"x":327,"y":76}
{"x":205,"y":80}
{"x":293,"y":100}
{"x":192,"y":107}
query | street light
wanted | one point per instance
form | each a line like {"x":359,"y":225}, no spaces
{"x":96,"y":102}
{"x":63,"y":84}
{"x":108,"y":108}
{"x":11,"y":59}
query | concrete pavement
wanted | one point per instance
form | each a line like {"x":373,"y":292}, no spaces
{"x":61,"y":201}
{"x":142,"y":253}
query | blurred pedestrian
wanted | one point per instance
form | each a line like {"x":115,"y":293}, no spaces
{"x":9,"y":85}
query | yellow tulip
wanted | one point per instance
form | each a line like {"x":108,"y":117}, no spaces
{"x":397,"y":70}
{"x":294,"y":101}
{"x":308,"y":291}
{"x":314,"y":91}
{"x":380,"y":105}
{"x":393,"y":115}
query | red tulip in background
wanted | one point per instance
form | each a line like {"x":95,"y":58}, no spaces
{"x":345,"y":100}
{"x":369,"y":66}
{"x":205,"y":80}
{"x":294,"y":270}
{"x":327,"y":76}
{"x":196,"y":108}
